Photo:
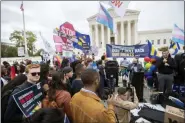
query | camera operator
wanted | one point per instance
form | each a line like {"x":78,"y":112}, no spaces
{"x":123,"y":104}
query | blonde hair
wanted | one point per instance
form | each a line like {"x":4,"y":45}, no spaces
{"x":30,"y":66}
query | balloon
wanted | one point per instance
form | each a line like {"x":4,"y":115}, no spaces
{"x":171,"y":51}
{"x":147,"y":59}
{"x":152,"y":68}
{"x":145,"y":63}
{"x":148,"y":65}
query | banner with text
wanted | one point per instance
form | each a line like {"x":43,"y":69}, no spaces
{"x":127,"y":51}
{"x":29,"y":99}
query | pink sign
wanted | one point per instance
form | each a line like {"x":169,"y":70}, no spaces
{"x":67,"y":31}
{"x":64,"y":39}
{"x":58,"y":48}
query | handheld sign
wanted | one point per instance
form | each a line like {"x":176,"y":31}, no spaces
{"x":29,"y":99}
{"x":67,"y":34}
{"x":67,"y":30}
{"x":85,"y":46}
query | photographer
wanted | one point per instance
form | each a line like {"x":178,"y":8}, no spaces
{"x":123,"y":104}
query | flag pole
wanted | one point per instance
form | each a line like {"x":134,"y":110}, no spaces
{"x":24,"y":31}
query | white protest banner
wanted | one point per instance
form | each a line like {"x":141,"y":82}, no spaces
{"x":119,"y":6}
{"x":47,"y":45}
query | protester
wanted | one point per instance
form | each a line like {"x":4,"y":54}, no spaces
{"x":86,"y":106}
{"x":57,"y":96}
{"x":65,"y":63}
{"x":6,"y":64}
{"x":4,"y":77}
{"x":13,"y":114}
{"x":123,"y":104}
{"x":134,"y":67}
{"x":47,"y":115}
{"x":124,"y":62}
{"x":20,"y":69}
{"x":4,"y":73}
{"x":77,"y":84}
{"x":87,"y":62}
{"x":44,"y":72}
{"x":68,"y":73}
{"x":166,"y":66}
{"x":73,"y":65}
{"x":18,"y":80}
{"x":182,"y":68}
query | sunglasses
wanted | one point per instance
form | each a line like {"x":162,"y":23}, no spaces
{"x":35,"y":73}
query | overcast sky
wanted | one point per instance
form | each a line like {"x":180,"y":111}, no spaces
{"x":44,"y":16}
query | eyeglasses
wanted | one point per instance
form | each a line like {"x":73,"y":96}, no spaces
{"x":35,"y":73}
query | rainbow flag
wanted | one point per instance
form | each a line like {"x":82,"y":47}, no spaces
{"x":178,"y":35}
{"x":175,"y":46}
{"x":58,"y":59}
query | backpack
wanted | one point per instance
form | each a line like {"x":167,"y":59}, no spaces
{"x":4,"y":103}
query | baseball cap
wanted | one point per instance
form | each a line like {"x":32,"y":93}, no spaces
{"x":67,"y":70}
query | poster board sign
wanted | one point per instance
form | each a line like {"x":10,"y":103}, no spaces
{"x":29,"y":99}
{"x":117,"y":51}
{"x":85,"y":46}
{"x":20,"y":51}
{"x":174,"y":115}
{"x":67,"y":54}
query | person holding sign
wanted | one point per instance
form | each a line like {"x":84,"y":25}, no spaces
{"x":13,"y":113}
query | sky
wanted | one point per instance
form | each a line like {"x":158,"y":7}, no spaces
{"x":44,"y":16}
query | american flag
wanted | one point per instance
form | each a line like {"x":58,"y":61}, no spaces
{"x":21,"y":7}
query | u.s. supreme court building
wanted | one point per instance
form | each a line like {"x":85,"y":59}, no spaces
{"x":127,"y":31}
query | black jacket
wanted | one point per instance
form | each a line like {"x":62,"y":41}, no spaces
{"x":166,"y":69}
{"x":13,"y":114}
{"x":77,"y":85}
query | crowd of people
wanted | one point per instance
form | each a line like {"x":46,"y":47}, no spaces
{"x":73,"y":92}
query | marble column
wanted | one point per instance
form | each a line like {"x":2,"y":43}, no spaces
{"x":108,"y":36}
{"x":136,"y":32}
{"x":91,"y":35}
{"x":129,"y":33}
{"x":96,"y":34}
{"x":122,"y":33}
{"x":116,"y":33}
{"x":102,"y":36}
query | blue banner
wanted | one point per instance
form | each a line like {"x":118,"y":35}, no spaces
{"x":127,"y":51}
{"x":141,"y":50}
{"x":29,"y":99}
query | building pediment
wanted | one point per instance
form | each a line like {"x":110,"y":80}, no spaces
{"x":113,"y":14}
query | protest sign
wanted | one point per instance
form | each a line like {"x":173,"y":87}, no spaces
{"x":29,"y":99}
{"x":127,"y":51}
